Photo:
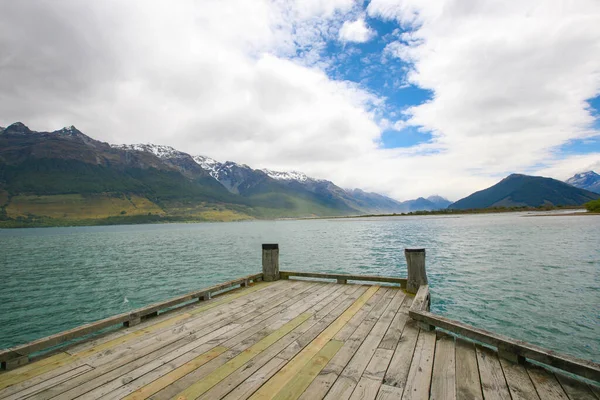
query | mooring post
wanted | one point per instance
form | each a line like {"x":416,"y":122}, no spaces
{"x":415,"y":262}
{"x":270,"y":262}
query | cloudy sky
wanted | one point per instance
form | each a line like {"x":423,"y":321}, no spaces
{"x":403,"y":97}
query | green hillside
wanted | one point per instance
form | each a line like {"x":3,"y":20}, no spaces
{"x":67,"y":178}
{"x":522,"y":190}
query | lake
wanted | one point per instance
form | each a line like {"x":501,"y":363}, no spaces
{"x":532,"y":278}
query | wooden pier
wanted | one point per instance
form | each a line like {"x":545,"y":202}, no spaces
{"x":292,"y":335}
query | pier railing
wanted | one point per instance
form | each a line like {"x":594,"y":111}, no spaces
{"x":416,"y":283}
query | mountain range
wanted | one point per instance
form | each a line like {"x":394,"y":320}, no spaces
{"x":65,"y":174}
{"x":519,"y":190}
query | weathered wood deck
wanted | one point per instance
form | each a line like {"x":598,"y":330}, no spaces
{"x":286,"y":339}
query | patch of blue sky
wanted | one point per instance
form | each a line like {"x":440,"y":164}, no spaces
{"x":595,"y":107}
{"x":581,"y":146}
{"x":407,"y":137}
{"x":375,"y":69}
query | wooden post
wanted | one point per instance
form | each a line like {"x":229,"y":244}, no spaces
{"x":415,"y":262}
{"x":270,"y":262}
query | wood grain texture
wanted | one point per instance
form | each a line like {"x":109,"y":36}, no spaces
{"x":419,"y":375}
{"x":275,"y":384}
{"x":545,"y":384}
{"x":443,"y":380}
{"x":519,"y":383}
{"x":493,"y":382}
{"x":468,"y":385}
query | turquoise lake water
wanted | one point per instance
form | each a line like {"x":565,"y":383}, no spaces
{"x":531,"y":278}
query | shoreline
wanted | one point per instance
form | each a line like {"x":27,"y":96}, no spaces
{"x":45,"y":222}
{"x":573,"y":214}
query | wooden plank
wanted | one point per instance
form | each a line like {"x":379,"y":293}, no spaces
{"x":468,"y":385}
{"x":275,"y":320}
{"x":216,"y":365}
{"x":176,"y":374}
{"x":419,"y":375}
{"x":493,"y":383}
{"x":105,"y":388}
{"x":546,"y":384}
{"x":307,"y":374}
{"x":362,"y":356}
{"x":392,"y":336}
{"x":387,"y":392}
{"x":59,"y":338}
{"x":32,"y":390}
{"x":205,"y":340}
{"x":421,"y":300}
{"x":518,"y":381}
{"x":240,"y":296}
{"x":576,"y":390}
{"x":110,"y":355}
{"x":366,"y":389}
{"x":397,"y":372}
{"x":577,"y":366}
{"x":58,"y":367}
{"x":443,"y":380}
{"x":341,"y":389}
{"x":250,"y":377}
{"x":329,"y":382}
{"x":360,"y":316}
{"x":364,"y":278}
{"x":100,"y":376}
{"x":379,"y":364}
{"x":307,"y":305}
{"x":256,"y":380}
{"x":324,"y":318}
{"x":174,"y":320}
{"x":281,"y":379}
{"x":202,"y":386}
{"x":149,"y":373}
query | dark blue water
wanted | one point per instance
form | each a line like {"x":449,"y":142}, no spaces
{"x":532,"y":278}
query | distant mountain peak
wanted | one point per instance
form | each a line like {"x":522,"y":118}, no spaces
{"x":287,"y":176}
{"x":17,"y":128}
{"x":161,"y":151}
{"x":69,"y":131}
{"x":519,"y":190}
{"x":437,"y":198}
{"x":209,"y":164}
{"x":588,"y":180}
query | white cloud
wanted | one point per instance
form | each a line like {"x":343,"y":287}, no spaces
{"x":510,"y":80}
{"x":356,"y":31}
{"x":245,"y":81}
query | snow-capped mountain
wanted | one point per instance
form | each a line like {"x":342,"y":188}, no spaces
{"x":586,"y":180}
{"x":287,"y":176}
{"x":209,"y":164}
{"x":240,"y":179}
{"x":158,"y":150}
